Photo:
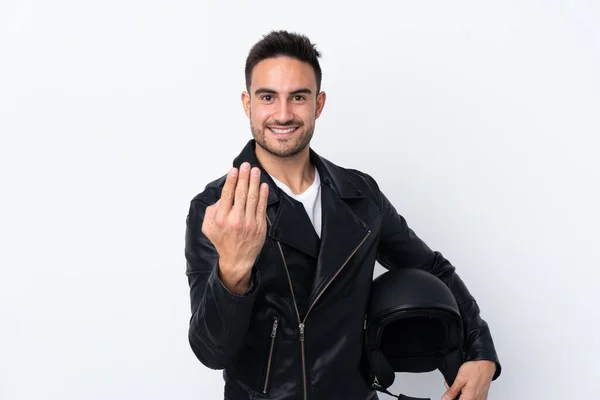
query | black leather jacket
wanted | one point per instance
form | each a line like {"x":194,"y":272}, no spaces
{"x":297,"y":333}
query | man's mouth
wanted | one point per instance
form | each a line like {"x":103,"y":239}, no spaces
{"x":283,"y":131}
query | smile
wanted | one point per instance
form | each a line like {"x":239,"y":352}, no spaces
{"x":286,"y":131}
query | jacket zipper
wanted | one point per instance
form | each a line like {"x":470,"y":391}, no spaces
{"x":337,"y":273}
{"x":273,"y":335}
{"x":301,"y":323}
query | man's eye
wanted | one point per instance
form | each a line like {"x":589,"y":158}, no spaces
{"x":299,"y":98}
{"x":266,"y":97}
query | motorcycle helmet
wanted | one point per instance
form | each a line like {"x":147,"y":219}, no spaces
{"x":413,"y":324}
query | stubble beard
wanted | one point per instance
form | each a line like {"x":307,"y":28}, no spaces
{"x":302,"y":141}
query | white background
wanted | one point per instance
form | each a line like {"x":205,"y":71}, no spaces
{"x":480,"y":121}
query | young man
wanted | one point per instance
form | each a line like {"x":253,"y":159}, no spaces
{"x":280,"y":252}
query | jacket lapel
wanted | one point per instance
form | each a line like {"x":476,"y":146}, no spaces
{"x":292,"y":226}
{"x":342,"y":230}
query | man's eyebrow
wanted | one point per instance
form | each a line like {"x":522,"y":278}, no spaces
{"x":264,"y":90}
{"x":302,"y":91}
{"x":271,"y":91}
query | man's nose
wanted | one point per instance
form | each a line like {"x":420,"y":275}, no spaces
{"x":284,"y":112}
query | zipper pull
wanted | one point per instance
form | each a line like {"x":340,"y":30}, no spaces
{"x":301,"y":326}
{"x":274,"y":331}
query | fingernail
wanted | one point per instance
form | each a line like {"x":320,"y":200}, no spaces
{"x":255,"y":172}
{"x":233,"y":172}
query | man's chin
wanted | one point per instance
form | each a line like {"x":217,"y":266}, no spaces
{"x":282,"y":151}
{"x":278,"y":147}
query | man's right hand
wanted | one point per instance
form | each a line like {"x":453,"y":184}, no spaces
{"x":236,"y":226}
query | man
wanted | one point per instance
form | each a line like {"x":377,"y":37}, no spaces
{"x":281,"y":251}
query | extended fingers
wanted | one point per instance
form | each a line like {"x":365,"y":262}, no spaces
{"x":261,"y":208}
{"x":227,"y":194}
{"x":253,"y":194}
{"x":243,"y":194}
{"x":241,"y":189}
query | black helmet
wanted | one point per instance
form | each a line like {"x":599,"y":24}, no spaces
{"x":413,"y":325}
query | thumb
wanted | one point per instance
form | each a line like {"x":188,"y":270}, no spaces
{"x":454,"y":391}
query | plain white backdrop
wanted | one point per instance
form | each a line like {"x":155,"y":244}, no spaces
{"x":480,"y":120}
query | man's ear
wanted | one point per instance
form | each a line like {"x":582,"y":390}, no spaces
{"x":321,"y":98}
{"x":246,"y":103}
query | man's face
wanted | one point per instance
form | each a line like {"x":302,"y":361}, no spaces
{"x":282,"y":105}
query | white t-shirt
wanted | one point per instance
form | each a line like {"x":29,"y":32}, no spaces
{"x":311,"y":198}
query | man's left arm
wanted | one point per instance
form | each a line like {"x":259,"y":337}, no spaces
{"x":399,"y":246}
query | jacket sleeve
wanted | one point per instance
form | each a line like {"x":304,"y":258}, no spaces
{"x":219,"y":319}
{"x":399,"y":246}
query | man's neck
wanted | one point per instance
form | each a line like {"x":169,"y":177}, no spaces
{"x":296,"y":172}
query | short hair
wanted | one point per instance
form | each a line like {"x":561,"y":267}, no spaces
{"x":284,"y":43}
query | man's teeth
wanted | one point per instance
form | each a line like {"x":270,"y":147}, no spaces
{"x":283,"y":131}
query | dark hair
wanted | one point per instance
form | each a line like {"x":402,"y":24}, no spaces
{"x":284,"y":43}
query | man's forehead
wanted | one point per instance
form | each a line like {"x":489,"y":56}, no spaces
{"x":283,"y":75}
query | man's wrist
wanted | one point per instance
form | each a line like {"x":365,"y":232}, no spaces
{"x":236,"y":284}
{"x":489,"y":366}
